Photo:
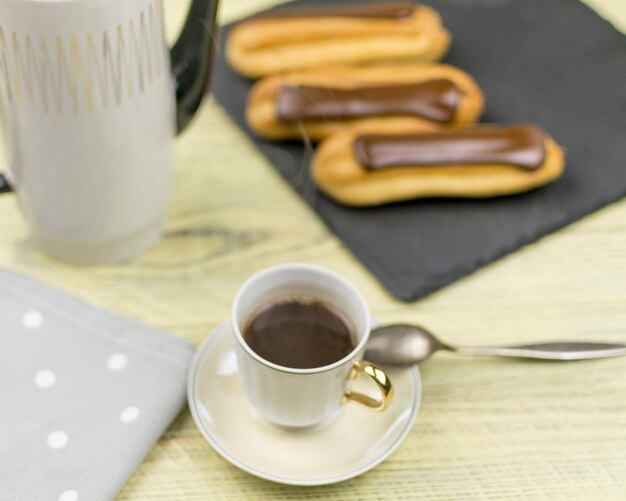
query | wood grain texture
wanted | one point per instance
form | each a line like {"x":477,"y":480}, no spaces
{"x":487,"y":429}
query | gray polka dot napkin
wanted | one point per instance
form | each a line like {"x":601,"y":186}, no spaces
{"x":84,"y":394}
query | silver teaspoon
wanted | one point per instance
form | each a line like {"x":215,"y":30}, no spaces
{"x":409,"y":344}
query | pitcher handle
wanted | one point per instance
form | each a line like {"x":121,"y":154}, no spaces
{"x":5,"y":187}
{"x":192,"y":58}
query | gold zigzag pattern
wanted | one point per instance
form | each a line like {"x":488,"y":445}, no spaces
{"x":45,"y":73}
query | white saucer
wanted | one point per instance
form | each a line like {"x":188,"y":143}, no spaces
{"x":356,"y":441}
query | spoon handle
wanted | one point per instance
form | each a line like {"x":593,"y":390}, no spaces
{"x":549,"y":351}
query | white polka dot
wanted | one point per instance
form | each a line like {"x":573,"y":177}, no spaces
{"x":57,"y":439}
{"x":32,"y":319}
{"x":69,"y":495}
{"x":130,"y":414}
{"x":45,"y":378}
{"x":117,"y":361}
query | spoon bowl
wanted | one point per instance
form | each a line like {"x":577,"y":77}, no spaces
{"x":401,"y":344}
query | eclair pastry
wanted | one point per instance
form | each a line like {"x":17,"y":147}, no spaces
{"x":320,"y":102}
{"x":296,"y":39}
{"x":397,"y":163}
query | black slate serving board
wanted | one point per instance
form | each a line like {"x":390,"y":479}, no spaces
{"x":553,"y":62}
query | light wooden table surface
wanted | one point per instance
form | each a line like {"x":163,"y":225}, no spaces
{"x":487,"y":429}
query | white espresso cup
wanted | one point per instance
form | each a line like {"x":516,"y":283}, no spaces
{"x":90,"y":97}
{"x":294,"y":397}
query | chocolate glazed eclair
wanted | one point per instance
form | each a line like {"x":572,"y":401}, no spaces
{"x":398,"y":163}
{"x":317,"y":103}
{"x":296,"y":39}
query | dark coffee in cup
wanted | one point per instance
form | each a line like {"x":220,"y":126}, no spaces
{"x":300,"y":333}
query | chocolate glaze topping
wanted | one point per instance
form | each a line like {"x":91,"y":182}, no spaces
{"x":436,"y":100}
{"x":384,"y":9}
{"x":519,"y":145}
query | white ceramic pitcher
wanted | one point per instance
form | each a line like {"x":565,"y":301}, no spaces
{"x":90,"y":98}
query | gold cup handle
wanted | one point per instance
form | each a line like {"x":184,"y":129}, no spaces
{"x":382,"y":381}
